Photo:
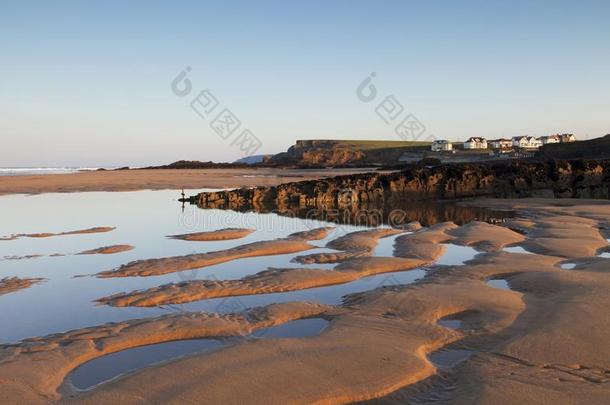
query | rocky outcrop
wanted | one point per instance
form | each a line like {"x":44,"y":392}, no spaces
{"x":575,"y":179}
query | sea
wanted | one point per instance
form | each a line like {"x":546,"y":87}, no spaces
{"x":23,"y":171}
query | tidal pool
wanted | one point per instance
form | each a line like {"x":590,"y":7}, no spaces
{"x":450,"y":323}
{"x":499,"y":283}
{"x":457,"y":255}
{"x":449,"y":358}
{"x":114,"y":365}
{"x":144,"y":219}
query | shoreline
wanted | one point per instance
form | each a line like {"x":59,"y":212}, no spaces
{"x":161,"y":179}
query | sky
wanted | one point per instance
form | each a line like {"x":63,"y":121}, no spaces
{"x":90,"y":83}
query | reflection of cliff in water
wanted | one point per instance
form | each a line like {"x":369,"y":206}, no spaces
{"x":395,"y":214}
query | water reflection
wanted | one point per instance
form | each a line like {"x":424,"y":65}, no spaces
{"x":456,"y":255}
{"x":111,"y":366}
{"x":450,"y":323}
{"x":499,"y":283}
{"x":449,"y":358}
{"x":395,"y":213}
{"x":106,"y":368}
{"x":142,"y":219}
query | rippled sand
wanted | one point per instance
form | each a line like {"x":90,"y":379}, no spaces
{"x":542,"y":339}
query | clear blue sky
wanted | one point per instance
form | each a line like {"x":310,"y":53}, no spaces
{"x":88,"y":83}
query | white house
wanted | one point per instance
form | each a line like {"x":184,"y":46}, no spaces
{"x":475,"y":142}
{"x":441,"y":145}
{"x":550,"y":139}
{"x":526,"y":142}
{"x":567,"y":138}
{"x":501,"y":143}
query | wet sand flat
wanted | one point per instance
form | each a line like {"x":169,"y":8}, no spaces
{"x":46,"y":361}
{"x":503,"y":327}
{"x":159,"y":179}
{"x":296,"y":242}
{"x":266,"y":282}
{"x":541,"y":337}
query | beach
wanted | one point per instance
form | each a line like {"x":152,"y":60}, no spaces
{"x":160,"y":179}
{"x":503,"y":323}
{"x":305,"y":203}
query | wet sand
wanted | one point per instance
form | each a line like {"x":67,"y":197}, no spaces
{"x":413,"y":250}
{"x":107,"y":250}
{"x":161,"y":179}
{"x":349,"y":246}
{"x":296,"y":242}
{"x":542,"y":340}
{"x":8,"y":285}
{"x":35,"y":369}
{"x":220,"y":234}
{"x":427,"y":245}
{"x":269,"y":281}
{"x":97,"y":229}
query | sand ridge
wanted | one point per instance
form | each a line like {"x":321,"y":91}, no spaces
{"x":107,"y":250}
{"x":354,"y":264}
{"x":219,"y":234}
{"x":272,"y":280}
{"x":104,"y":250}
{"x":296,"y":242}
{"x":349,"y":246}
{"x":11,"y":284}
{"x":365,"y":363}
{"x":427,"y":243}
{"x":544,"y":339}
{"x":34,"y":369}
{"x":552,"y":225}
{"x":354,"y":359}
{"x":361,"y":241}
{"x":97,"y":229}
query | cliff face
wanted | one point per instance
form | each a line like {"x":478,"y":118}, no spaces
{"x":321,"y":152}
{"x":576,"y":179}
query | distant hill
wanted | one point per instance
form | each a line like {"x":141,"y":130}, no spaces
{"x":329,"y":152}
{"x":597,"y":148}
{"x":250,"y":160}
{"x":195,"y":164}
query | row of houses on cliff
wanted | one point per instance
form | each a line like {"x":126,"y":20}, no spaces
{"x":521,"y":142}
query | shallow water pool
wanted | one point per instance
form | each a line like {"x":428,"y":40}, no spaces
{"x":144,"y":219}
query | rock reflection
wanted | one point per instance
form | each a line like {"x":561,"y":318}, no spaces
{"x":396,"y":213}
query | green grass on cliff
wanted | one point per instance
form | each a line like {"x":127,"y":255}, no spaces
{"x":367,"y":145}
